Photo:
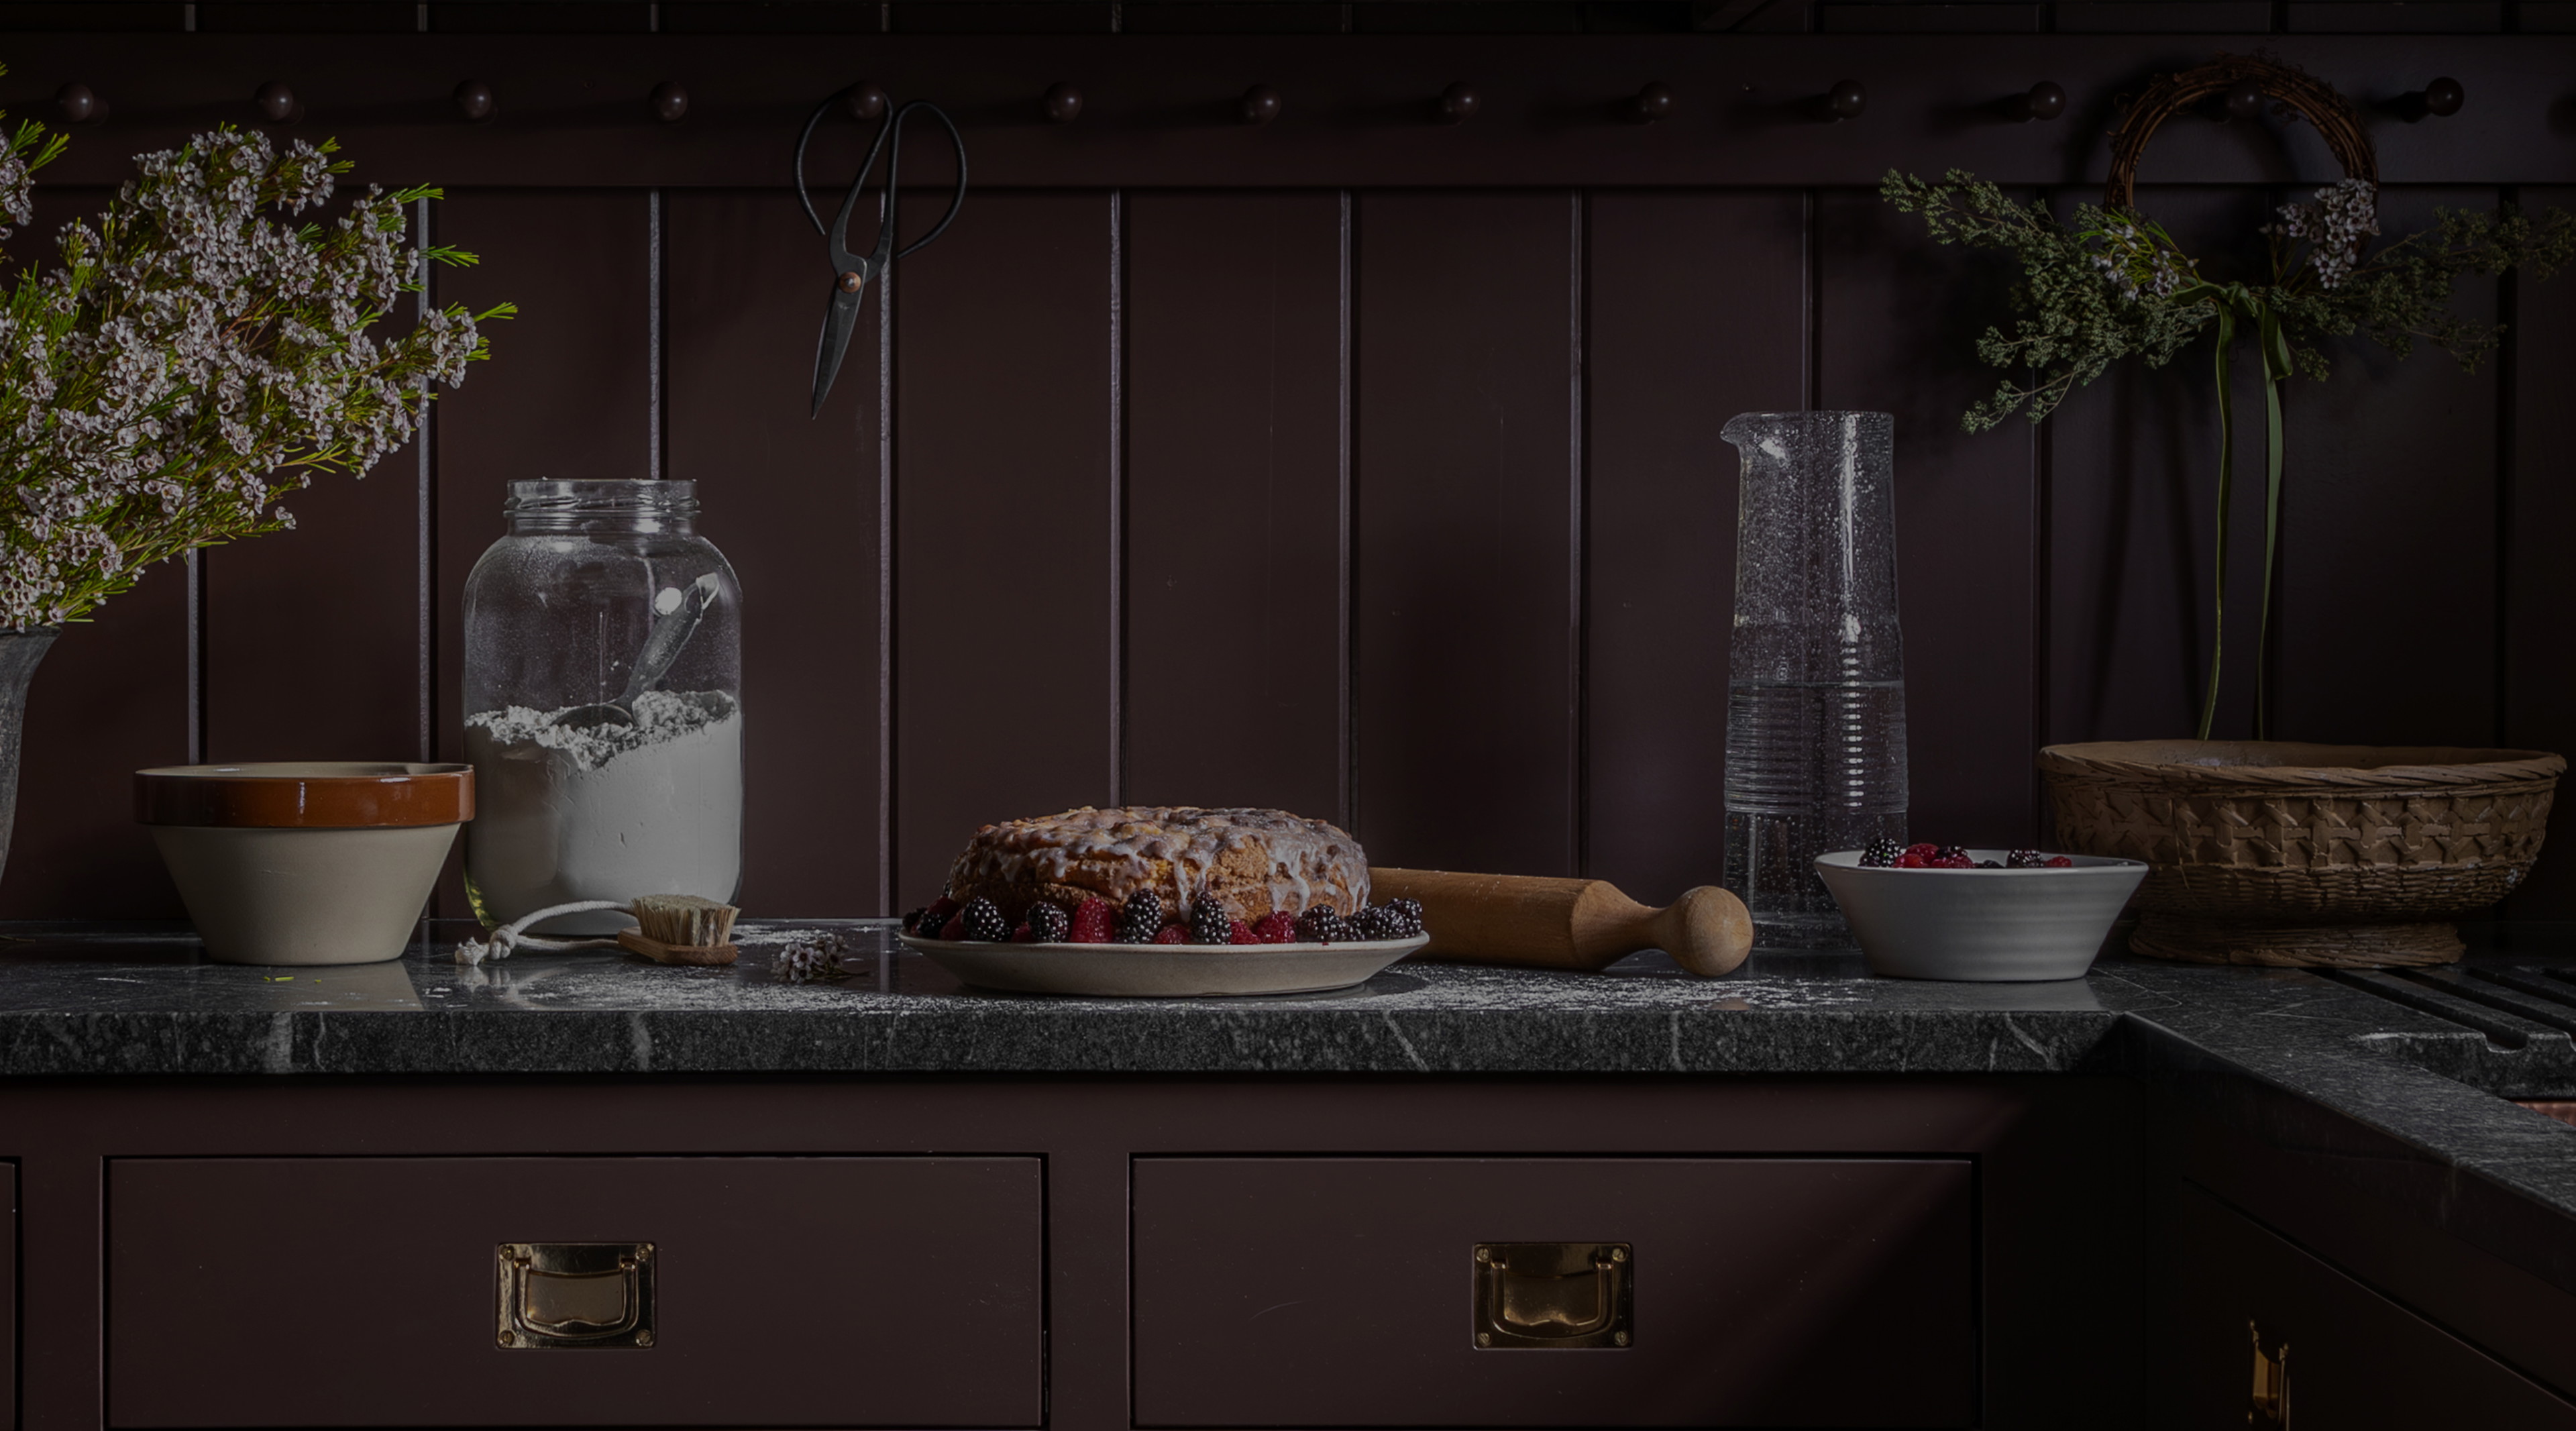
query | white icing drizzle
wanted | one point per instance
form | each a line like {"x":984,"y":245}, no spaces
{"x":1123,"y":845}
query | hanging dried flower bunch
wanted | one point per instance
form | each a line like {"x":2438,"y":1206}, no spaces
{"x":2110,"y":284}
{"x":191,"y":361}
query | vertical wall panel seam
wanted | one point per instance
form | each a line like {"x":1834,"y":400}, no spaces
{"x":2508,"y":377}
{"x":1809,"y":380}
{"x":886,"y":559}
{"x":196,"y":574}
{"x":653,"y":331}
{"x":2043,"y":560}
{"x":426,"y":554}
{"x":1117,"y":502}
{"x":1347,"y":532}
{"x":1578,"y":502}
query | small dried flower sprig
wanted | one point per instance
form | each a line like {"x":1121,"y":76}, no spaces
{"x":191,"y":361}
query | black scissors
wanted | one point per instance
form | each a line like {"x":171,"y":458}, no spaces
{"x":851,"y":273}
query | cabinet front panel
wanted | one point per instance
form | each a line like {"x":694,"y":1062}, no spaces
{"x":2348,"y":1358}
{"x":370,"y":1292}
{"x":1761,"y":1291}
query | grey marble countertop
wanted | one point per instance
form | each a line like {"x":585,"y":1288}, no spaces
{"x":2426,"y":1061}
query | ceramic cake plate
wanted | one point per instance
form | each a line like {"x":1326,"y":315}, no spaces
{"x":1165,"y":971}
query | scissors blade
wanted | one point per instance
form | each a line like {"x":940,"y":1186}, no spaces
{"x":839,"y":321}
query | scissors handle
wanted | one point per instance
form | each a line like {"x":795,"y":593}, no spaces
{"x":889,"y":137}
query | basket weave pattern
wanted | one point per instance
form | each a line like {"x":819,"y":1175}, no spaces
{"x":2362,"y":841}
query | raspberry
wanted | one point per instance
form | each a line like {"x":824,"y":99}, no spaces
{"x":983,"y":921}
{"x":1879,"y":854}
{"x":2060,"y":862}
{"x":2025,"y":860}
{"x":1950,"y":862}
{"x":1172,"y":934}
{"x":954,"y":929}
{"x":1142,"y":916}
{"x":1020,"y":934}
{"x":1238,"y":932}
{"x":1912,"y":861}
{"x":1275,"y":928}
{"x":1210,"y":924}
{"x":1926,"y":851}
{"x":1093,"y":922}
{"x":1950,"y":852}
{"x":1048,"y":923}
{"x":935,"y":918}
{"x":1321,"y":924}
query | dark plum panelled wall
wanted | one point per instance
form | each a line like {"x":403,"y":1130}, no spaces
{"x":1354,"y":463}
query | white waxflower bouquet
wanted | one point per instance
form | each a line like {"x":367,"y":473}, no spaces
{"x":191,"y":360}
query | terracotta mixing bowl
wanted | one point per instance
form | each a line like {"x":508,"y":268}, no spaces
{"x":311,"y":862}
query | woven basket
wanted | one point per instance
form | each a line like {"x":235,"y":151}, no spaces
{"x":2264,"y":852}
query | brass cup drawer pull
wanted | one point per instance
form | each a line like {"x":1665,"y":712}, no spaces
{"x":575,"y":1294}
{"x":1553,"y":1295}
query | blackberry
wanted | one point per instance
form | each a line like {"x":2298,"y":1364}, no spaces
{"x":1950,"y":852}
{"x":2025,"y":860}
{"x":1321,"y":924}
{"x":1209,"y":923}
{"x":1048,"y":923}
{"x":1879,"y":854}
{"x":912,"y":921}
{"x":1990,"y":864}
{"x":1395,"y":919}
{"x":1141,"y":919}
{"x":983,"y":921}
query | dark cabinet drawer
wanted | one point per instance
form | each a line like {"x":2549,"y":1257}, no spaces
{"x":366,"y":1292}
{"x":1764,"y":1292}
{"x":2356,"y":1360}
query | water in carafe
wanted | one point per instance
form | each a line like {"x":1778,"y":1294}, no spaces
{"x":1815,"y":707}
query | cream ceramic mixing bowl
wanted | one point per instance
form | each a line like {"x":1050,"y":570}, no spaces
{"x":1986,"y":926}
{"x":305,"y":862}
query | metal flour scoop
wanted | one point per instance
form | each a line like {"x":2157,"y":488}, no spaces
{"x":661,"y":648}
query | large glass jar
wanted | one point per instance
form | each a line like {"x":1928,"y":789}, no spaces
{"x":603,"y":704}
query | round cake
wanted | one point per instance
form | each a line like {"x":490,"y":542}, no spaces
{"x":1253,"y":862}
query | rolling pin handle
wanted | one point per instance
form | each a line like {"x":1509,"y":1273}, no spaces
{"x":1707,"y":931}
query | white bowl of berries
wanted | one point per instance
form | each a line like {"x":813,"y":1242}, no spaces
{"x":1991,"y":916}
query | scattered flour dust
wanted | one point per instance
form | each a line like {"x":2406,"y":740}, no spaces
{"x":604,"y":812}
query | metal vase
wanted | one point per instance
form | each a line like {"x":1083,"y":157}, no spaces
{"x":19,"y":653}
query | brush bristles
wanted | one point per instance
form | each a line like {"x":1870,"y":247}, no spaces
{"x":684,"y":919}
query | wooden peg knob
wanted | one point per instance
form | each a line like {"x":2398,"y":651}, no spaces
{"x":1458,"y":103}
{"x":669,"y":101}
{"x":1846,"y":100}
{"x":865,"y":101}
{"x":1651,"y":103}
{"x":1062,"y":103}
{"x":1260,"y":104}
{"x":79,"y":104}
{"x":474,"y":100}
{"x":2440,"y":100}
{"x":276,"y":103}
{"x":2046,"y":100}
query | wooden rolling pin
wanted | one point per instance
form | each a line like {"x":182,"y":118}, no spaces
{"x":1584,"y":924}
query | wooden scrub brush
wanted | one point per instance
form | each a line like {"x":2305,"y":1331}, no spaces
{"x":680,"y":929}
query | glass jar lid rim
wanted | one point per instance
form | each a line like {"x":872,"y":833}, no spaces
{"x":601,"y":494}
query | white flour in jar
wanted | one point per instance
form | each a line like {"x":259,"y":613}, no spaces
{"x":604,"y":812}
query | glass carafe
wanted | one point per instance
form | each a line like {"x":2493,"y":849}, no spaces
{"x":597,"y":775}
{"x":1815,"y":701}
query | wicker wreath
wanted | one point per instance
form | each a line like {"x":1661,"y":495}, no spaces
{"x":2317,"y":101}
